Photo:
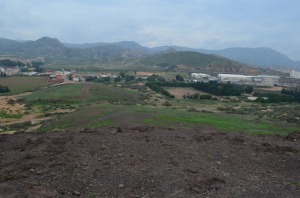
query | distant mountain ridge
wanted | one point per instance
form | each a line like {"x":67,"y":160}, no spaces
{"x":259,"y":57}
{"x":52,"y":48}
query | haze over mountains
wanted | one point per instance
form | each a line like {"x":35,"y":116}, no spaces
{"x":52,"y":49}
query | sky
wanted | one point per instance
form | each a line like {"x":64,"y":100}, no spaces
{"x":203,"y":24}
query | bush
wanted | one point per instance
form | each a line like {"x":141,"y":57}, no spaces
{"x":4,"y":89}
{"x":167,"y":104}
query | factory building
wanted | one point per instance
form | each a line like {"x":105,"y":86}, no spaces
{"x":262,"y":80}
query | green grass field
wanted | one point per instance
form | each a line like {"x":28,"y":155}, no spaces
{"x":99,"y":105}
{"x":24,"y":84}
{"x":82,"y":93}
{"x":228,"y":123}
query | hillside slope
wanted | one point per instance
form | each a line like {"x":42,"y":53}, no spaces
{"x":264,"y":57}
{"x":260,"y":57}
{"x":195,"y":61}
{"x":52,"y":49}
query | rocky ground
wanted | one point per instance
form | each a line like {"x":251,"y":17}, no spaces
{"x":149,"y":162}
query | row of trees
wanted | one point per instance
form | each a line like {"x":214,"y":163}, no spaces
{"x":155,"y":87}
{"x":221,"y":89}
{"x":293,"y":91}
{"x":10,"y":63}
{"x":214,"y":88}
{"x":274,"y":98}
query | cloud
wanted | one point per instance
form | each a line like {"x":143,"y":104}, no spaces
{"x":210,"y":24}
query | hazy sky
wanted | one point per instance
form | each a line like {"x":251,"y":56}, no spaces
{"x":206,"y":24}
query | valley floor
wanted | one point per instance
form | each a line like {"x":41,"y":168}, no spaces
{"x":145,"y":161}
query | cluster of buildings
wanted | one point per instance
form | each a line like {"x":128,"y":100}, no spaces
{"x":11,"y":71}
{"x":262,"y":80}
{"x":294,"y":74}
{"x":61,"y":76}
{"x":54,"y":76}
{"x":293,"y":80}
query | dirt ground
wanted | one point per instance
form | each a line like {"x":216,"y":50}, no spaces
{"x":149,"y":162}
{"x":179,"y":92}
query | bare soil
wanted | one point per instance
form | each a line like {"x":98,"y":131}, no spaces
{"x":149,"y":162}
{"x":179,"y":92}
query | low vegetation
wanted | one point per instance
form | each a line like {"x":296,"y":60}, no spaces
{"x":86,"y":105}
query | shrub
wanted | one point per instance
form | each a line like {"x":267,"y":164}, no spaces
{"x":4,"y":89}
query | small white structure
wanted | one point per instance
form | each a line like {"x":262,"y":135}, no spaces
{"x":12,"y":71}
{"x":104,"y":75}
{"x":294,"y":74}
{"x":30,"y":73}
{"x":234,"y":78}
{"x":200,"y":75}
{"x":66,"y":73}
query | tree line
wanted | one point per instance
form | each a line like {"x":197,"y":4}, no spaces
{"x":155,"y":87}
{"x":292,"y":91}
{"x":11,"y":63}
{"x":214,"y":88}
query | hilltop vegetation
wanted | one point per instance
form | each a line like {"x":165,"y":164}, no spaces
{"x":193,"y":59}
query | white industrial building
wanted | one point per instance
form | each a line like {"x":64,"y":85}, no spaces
{"x":233,"y":78}
{"x":201,"y":77}
{"x":294,"y":74}
{"x":265,"y":80}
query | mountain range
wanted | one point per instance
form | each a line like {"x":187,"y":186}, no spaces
{"x":131,"y":53}
{"x":258,"y":57}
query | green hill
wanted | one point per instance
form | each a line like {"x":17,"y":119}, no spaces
{"x":195,"y":61}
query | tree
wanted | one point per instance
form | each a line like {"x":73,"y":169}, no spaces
{"x":122,"y":74}
{"x":3,"y":74}
{"x":179,"y":78}
{"x":249,"y":89}
{"x":37,"y":66}
{"x":129,"y":78}
{"x":36,"y":63}
{"x":70,"y":77}
{"x":118,"y":79}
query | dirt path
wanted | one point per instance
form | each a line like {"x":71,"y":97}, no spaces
{"x":15,"y":96}
{"x":149,"y":162}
